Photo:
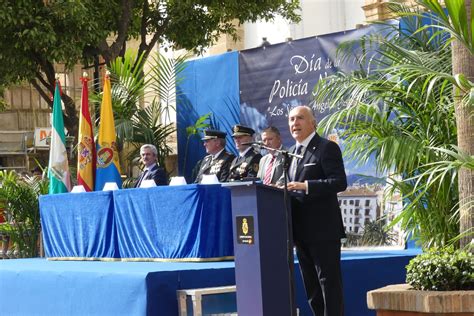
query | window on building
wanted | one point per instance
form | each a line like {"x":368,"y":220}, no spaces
{"x":367,"y":211}
{"x":351,"y":202}
{"x":357,"y":203}
{"x":366,"y":221}
{"x":356,"y":229}
{"x":350,"y":220}
{"x":344,"y":202}
{"x":367,"y":202}
{"x":356,"y":212}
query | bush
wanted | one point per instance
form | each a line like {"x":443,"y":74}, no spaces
{"x":19,"y":201}
{"x":442,"y":270}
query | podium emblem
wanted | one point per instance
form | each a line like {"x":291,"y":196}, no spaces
{"x":245,"y":230}
{"x":245,"y":226}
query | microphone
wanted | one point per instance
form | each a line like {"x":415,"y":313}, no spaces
{"x":258,"y":143}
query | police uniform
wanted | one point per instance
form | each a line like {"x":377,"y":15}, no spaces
{"x":247,"y":165}
{"x":219,"y":165}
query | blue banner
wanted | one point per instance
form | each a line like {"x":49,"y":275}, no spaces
{"x":210,"y":85}
{"x":276,"y":78}
{"x":258,"y":87}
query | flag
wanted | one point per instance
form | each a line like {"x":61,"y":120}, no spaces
{"x":58,"y":168}
{"x":108,"y":165}
{"x":86,"y":156}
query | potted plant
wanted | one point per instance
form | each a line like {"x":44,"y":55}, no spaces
{"x":439,"y":282}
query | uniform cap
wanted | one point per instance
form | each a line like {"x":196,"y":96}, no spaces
{"x":240,"y":130}
{"x":213,"y":134}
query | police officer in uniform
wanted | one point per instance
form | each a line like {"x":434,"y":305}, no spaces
{"x":246,"y":164}
{"x":218,"y":159}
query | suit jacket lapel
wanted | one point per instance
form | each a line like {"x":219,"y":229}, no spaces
{"x":308,"y":153}
{"x":151,"y":173}
{"x":207,"y":163}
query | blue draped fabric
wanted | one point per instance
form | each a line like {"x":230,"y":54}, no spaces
{"x":211,"y":85}
{"x":192,"y":221}
{"x":177,"y":222}
{"x":78,"y":225}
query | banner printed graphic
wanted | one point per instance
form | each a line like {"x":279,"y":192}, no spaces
{"x":279,"y":77}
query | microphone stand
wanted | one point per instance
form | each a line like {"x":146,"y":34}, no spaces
{"x":289,"y":228}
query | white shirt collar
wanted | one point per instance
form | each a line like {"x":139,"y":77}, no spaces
{"x":217,"y":155}
{"x":306,"y":141}
{"x":150,"y":167}
{"x":275,"y":153}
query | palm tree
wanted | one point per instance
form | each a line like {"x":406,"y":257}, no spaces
{"x":400,"y":109}
{"x":459,"y":23}
{"x":376,"y":234}
{"x":143,"y":101}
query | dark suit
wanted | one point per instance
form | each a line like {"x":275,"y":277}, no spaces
{"x":317,"y":225}
{"x":156,"y":173}
{"x":246,"y":166}
{"x":220,"y":166}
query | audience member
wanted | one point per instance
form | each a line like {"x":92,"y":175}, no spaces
{"x":218,"y":159}
{"x":152,"y":171}
{"x":246,"y":164}
{"x":271,"y":165}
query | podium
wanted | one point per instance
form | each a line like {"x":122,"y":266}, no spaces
{"x":260,"y":249}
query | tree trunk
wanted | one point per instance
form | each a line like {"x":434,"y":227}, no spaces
{"x":463,"y":62}
{"x":71,"y":119}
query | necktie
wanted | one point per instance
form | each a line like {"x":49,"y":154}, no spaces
{"x":142,"y":177}
{"x":267,"y":179}
{"x":294,"y":162}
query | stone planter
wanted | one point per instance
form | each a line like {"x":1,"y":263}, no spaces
{"x":402,"y":300}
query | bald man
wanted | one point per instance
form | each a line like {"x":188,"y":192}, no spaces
{"x":317,"y":221}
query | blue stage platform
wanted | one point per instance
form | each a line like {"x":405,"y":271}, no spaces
{"x":42,"y":287}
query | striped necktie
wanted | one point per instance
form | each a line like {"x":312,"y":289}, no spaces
{"x":267,"y":179}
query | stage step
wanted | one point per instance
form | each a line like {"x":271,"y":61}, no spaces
{"x":196,"y":296}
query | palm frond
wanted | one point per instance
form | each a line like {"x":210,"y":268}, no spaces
{"x":399,"y":108}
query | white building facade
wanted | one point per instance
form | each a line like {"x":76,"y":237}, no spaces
{"x":359,"y":205}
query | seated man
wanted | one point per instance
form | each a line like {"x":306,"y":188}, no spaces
{"x":271,"y":165}
{"x":152,"y":171}
{"x":246,"y":164}
{"x":218,"y":159}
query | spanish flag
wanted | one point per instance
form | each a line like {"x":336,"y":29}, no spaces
{"x":58,"y":167}
{"x":86,"y":156}
{"x":108,"y":165}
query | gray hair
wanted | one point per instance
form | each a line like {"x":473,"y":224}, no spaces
{"x":272,"y":129}
{"x":222,"y":142}
{"x":151,"y":147}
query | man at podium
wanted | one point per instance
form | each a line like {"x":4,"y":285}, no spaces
{"x":317,"y":223}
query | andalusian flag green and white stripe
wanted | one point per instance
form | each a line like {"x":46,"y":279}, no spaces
{"x":58,"y":170}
